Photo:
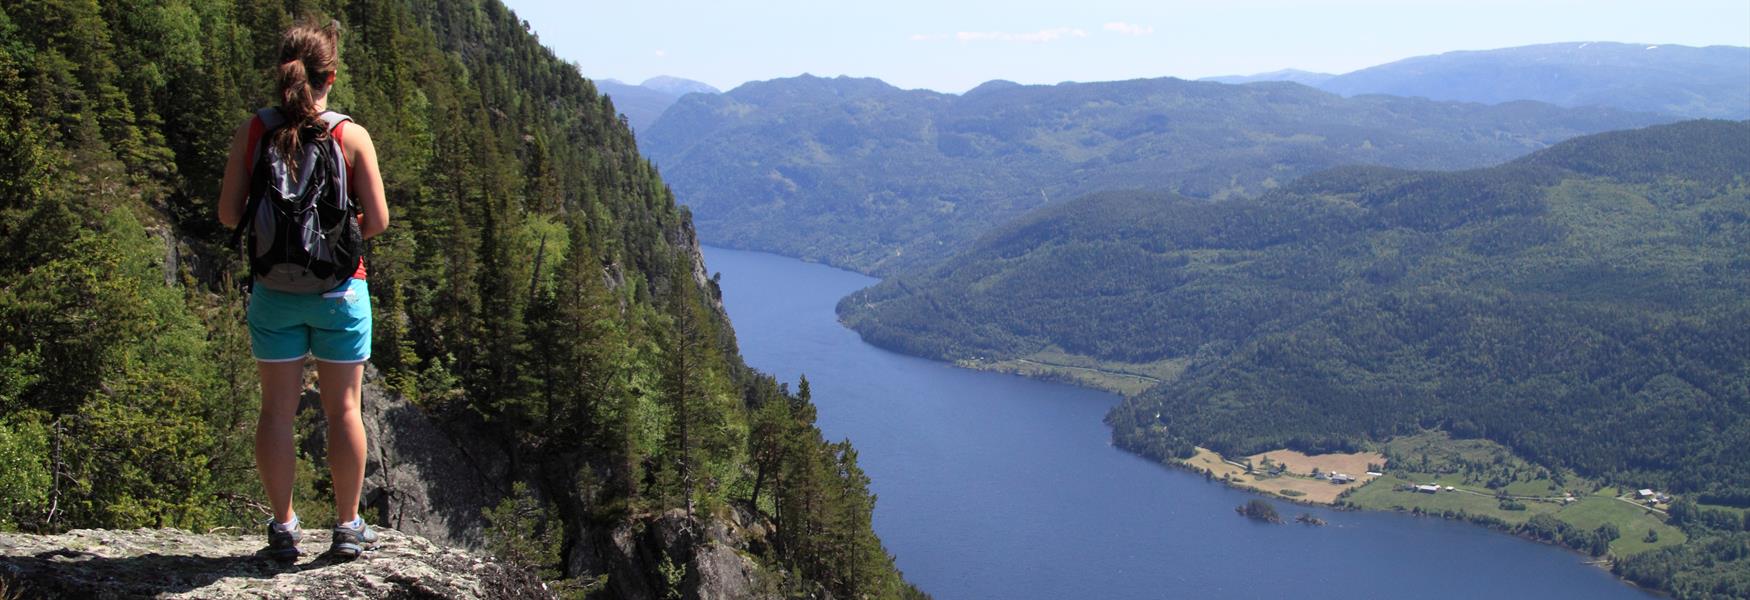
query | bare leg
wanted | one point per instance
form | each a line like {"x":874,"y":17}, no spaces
{"x":281,"y":384}
{"x":340,"y":384}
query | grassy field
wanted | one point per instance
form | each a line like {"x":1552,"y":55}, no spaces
{"x":1588,"y":512}
{"x":1534,"y":487}
{"x":1631,"y":520}
{"x":1123,"y":378}
{"x":1386,"y":493}
{"x":1472,"y":466}
{"x":1479,"y":464}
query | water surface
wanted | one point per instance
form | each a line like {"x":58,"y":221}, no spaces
{"x":996,"y":486}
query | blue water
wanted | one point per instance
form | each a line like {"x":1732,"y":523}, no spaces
{"x":995,"y":486}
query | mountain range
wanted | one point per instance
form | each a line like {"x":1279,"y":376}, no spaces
{"x":644,"y":103}
{"x":1584,"y":305}
{"x":864,"y":175}
{"x":1709,"y":82}
{"x":1307,"y":78}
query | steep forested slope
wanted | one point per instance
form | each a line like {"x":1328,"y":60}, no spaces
{"x":538,"y":289}
{"x":857,"y":173}
{"x":1584,"y":305}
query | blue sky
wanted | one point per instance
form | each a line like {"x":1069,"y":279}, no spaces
{"x":951,"y":46}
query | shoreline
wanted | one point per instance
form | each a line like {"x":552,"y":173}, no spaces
{"x":1606,"y":563}
{"x":1101,"y":381}
{"x":1341,"y":503}
{"x":1093,"y":378}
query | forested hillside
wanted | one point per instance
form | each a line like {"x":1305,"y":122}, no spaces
{"x":538,"y":286}
{"x":1584,"y":305}
{"x":860,"y":174}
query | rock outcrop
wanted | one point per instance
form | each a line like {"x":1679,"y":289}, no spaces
{"x":421,"y":477}
{"x":432,"y":476}
{"x":167,"y":563}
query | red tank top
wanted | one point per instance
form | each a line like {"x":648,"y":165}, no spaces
{"x":257,"y":129}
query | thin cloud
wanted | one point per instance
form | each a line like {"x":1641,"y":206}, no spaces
{"x":1019,"y":37}
{"x":662,"y":54}
{"x":1131,"y":29}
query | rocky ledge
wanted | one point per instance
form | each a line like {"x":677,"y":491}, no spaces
{"x":164,"y":563}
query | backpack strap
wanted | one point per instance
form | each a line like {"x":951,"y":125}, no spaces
{"x":268,"y":120}
{"x":332,"y":119}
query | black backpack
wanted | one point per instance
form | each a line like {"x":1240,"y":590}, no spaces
{"x":302,"y":230}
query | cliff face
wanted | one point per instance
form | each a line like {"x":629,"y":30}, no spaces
{"x":169,"y":563}
{"x":425,"y":478}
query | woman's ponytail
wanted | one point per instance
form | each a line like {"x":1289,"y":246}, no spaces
{"x":308,"y":56}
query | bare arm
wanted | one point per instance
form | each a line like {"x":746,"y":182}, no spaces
{"x":367,"y":181}
{"x":236,"y":185}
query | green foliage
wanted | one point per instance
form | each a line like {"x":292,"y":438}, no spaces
{"x":1716,"y":566}
{"x":24,"y":442}
{"x":822,"y":501}
{"x":1259,"y":510}
{"x":522,"y":531}
{"x":672,"y":574}
{"x":863,"y":175}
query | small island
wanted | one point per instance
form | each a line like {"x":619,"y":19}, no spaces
{"x":1259,"y":510}
{"x":1309,"y":520}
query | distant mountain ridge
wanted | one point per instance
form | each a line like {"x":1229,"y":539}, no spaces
{"x":1289,"y":75}
{"x":643,"y":103}
{"x":1686,"y":81}
{"x":678,"y":86}
{"x":864,"y":175}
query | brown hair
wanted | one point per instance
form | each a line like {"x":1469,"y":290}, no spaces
{"x":309,"y":54}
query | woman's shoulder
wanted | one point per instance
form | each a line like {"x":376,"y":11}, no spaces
{"x":354,"y":139}
{"x":350,"y":129}
{"x":352,"y":135}
{"x":247,"y":130}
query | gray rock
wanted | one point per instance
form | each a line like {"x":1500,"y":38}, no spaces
{"x":422,"y":479}
{"x":718,"y":572}
{"x":165,"y":563}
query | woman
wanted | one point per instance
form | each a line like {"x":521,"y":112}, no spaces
{"x":334,"y":328}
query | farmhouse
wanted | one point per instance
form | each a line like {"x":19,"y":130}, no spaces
{"x":1428,"y":489}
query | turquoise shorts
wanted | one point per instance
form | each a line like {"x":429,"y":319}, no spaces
{"x":333,"y":326}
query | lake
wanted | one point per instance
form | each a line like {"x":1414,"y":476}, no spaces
{"x":996,"y":486}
